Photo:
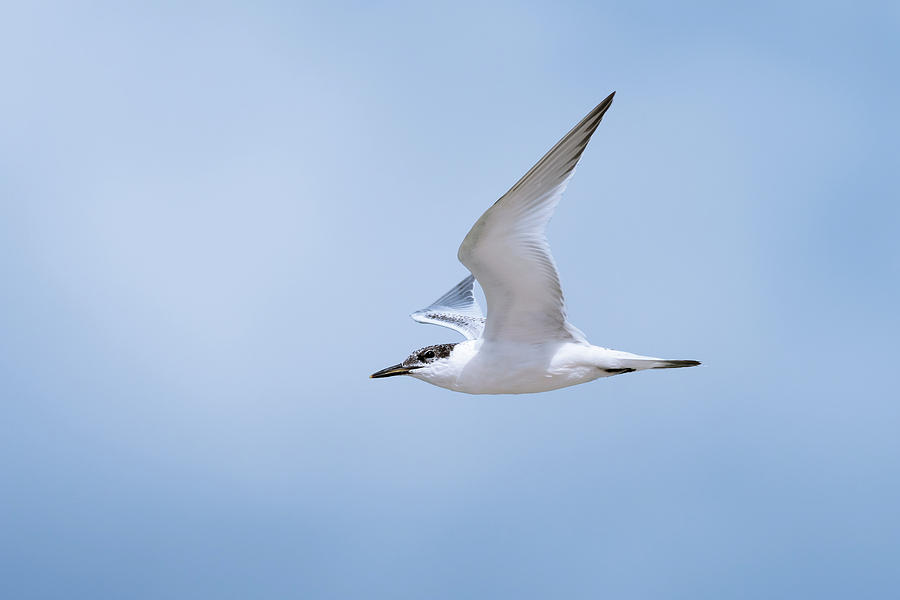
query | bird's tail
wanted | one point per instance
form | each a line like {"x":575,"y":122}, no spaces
{"x":616,"y":361}
{"x":673,"y":364}
{"x":639,"y":363}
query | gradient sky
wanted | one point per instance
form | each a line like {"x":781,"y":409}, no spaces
{"x":215,"y":219}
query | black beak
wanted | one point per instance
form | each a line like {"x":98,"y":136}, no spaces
{"x":390,"y":372}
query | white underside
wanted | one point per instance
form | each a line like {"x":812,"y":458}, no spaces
{"x":483,"y":367}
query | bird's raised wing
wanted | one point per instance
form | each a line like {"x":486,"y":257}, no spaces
{"x":457,"y":309}
{"x":508,"y":253}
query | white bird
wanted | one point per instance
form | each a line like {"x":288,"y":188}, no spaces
{"x":526,"y":344}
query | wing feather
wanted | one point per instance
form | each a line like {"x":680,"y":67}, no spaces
{"x":507,"y":248}
{"x":457,"y":309}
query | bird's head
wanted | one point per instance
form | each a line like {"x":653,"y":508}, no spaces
{"x":420,"y":363}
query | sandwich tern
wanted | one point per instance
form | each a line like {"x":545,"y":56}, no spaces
{"x":525,"y":344}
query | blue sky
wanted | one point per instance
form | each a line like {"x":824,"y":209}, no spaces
{"x":216,"y":218}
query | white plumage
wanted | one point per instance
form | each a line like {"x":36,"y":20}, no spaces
{"x":526,"y":344}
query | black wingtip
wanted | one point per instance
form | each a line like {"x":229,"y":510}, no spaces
{"x":601,"y":108}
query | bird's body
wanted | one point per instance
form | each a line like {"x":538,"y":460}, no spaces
{"x":526,"y":344}
{"x":480,"y":367}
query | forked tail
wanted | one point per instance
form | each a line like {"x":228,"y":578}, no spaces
{"x":616,"y":361}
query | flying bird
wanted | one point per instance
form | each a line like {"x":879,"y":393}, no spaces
{"x":525,"y":344}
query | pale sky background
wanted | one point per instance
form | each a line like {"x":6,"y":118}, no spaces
{"x":215,"y":219}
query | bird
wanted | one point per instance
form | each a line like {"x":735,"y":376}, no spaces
{"x":525,"y":344}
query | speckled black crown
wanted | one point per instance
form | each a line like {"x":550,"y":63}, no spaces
{"x":429,"y":354}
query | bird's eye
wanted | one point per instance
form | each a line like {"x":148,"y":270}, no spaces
{"x":428,"y":355}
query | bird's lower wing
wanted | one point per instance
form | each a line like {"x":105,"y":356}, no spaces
{"x":457,"y":309}
{"x":508,"y":253}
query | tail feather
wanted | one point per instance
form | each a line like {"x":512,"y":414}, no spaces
{"x":635,"y":362}
{"x":674,"y":364}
